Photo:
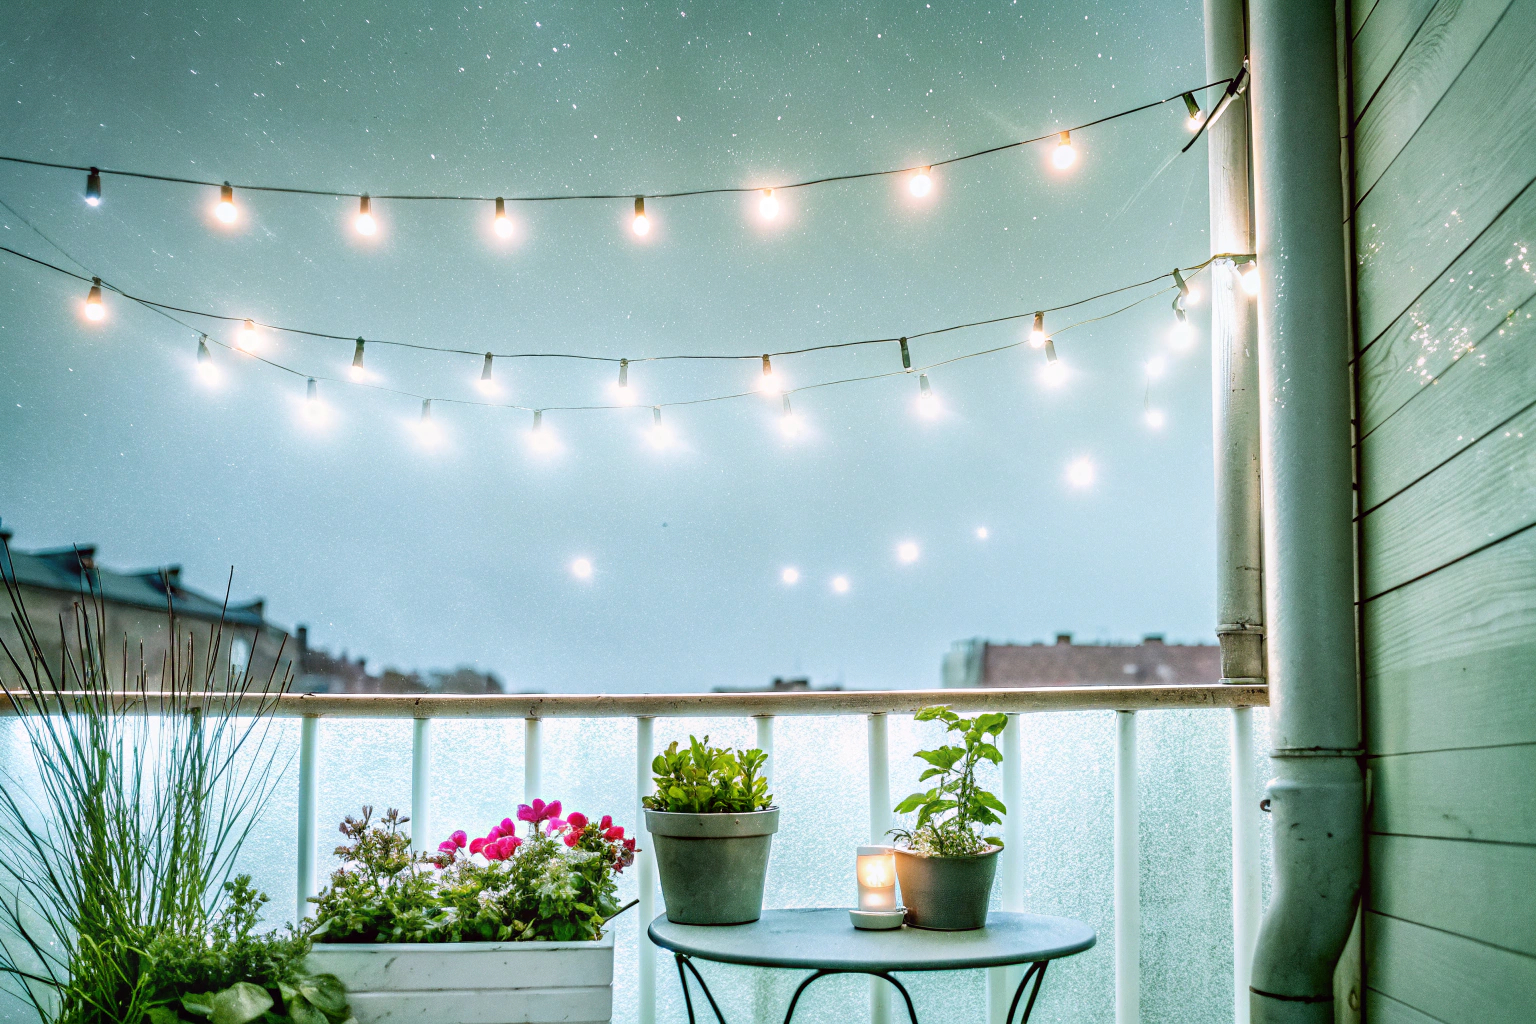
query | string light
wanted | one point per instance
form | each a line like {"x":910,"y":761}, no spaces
{"x":768,"y":384}
{"x":840,"y":584}
{"x":1250,"y":276}
{"x":1155,"y":419}
{"x":581,"y":568}
{"x":624,"y":394}
{"x":1037,"y":332}
{"x":205,"y":368}
{"x":768,"y":206}
{"x":1156,"y":366}
{"x":248,"y":340}
{"x":642,"y":223}
{"x":922,"y":182}
{"x":93,"y":187}
{"x":789,"y":423}
{"x":1183,"y":334}
{"x":661,"y":435}
{"x":1054,"y":372}
{"x":982,"y":533}
{"x":486,"y":383}
{"x":907,"y":552}
{"x":906,"y":355}
{"x":1064,"y":156}
{"x":357,"y":371}
{"x":1080,"y":472}
{"x":1192,"y":122}
{"x":790,"y":576}
{"x":927,"y":401}
{"x":226,"y":211}
{"x":426,"y":410}
{"x":312,"y":407}
{"x":366,"y":225}
{"x":540,"y":438}
{"x":94,"y":310}
{"x":502,"y":224}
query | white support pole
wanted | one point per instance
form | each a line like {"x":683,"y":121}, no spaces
{"x":421,"y":757}
{"x":1245,"y":861}
{"x":645,"y":870}
{"x":1001,"y":981}
{"x":533,"y":760}
{"x":879,"y":824}
{"x":1127,"y":874}
{"x":765,"y":744}
{"x":309,"y":790}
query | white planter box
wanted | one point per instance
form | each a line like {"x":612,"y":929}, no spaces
{"x":473,"y":982}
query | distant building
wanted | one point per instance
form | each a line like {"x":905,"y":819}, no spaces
{"x":779,"y":685}
{"x":1063,"y":663}
{"x":322,"y":672}
{"x":53,"y":582}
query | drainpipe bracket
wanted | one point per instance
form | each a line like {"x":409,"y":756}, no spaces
{"x":1240,"y":627}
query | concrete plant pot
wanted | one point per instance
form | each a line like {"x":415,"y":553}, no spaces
{"x":473,"y":982}
{"x":712,"y":866}
{"x":948,"y":894}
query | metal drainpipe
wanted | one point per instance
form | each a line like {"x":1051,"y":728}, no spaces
{"x":1317,"y":795}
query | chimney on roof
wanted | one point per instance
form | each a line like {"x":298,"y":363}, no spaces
{"x":1153,"y":638}
{"x":1063,"y":639}
{"x":301,"y":633}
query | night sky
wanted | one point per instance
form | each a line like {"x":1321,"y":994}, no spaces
{"x":429,"y":555}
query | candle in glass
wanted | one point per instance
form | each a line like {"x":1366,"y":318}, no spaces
{"x":877,"y":878}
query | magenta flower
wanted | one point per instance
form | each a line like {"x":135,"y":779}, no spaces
{"x":508,"y":827}
{"x":478,"y":845}
{"x":576,"y":820}
{"x":539,"y":811}
{"x":572,"y":838}
{"x":447,"y":846}
{"x":554,"y":825}
{"x":614,"y":834}
{"x":606,"y":823}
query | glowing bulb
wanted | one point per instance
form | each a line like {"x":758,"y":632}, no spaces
{"x":622,"y":392}
{"x":1182,"y":336}
{"x":1037,"y":332}
{"x":927,"y":401}
{"x":357,"y":371}
{"x":1192,"y":122}
{"x":313,"y":410}
{"x":922,"y":182}
{"x":1080,"y":472}
{"x":1156,"y":366}
{"x":365,"y":222}
{"x":1192,"y":296}
{"x":768,"y":384}
{"x":540,"y":438}
{"x":1054,"y":372}
{"x":248,"y":340}
{"x":789,"y":423}
{"x":225,"y":211}
{"x":1065,"y":156}
{"x":642,"y":224}
{"x":502,"y":223}
{"x":581,"y":568}
{"x":906,"y":552}
{"x":768,"y":206}
{"x":206,"y":371}
{"x":1250,"y":278}
{"x":94,"y":310}
{"x":660,"y":434}
{"x":1155,"y":419}
{"x":93,"y":188}
{"x":840,"y":584}
{"x":486,"y":384}
{"x":790,"y":576}
{"x":982,"y":533}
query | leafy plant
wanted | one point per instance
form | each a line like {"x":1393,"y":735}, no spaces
{"x":947,"y":814}
{"x":556,"y":883}
{"x":709,"y":780}
{"x":147,"y":783}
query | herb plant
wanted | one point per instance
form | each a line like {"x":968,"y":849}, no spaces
{"x":949,"y":813}
{"x":709,"y":780}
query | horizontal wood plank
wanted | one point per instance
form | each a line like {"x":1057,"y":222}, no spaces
{"x":1483,"y":794}
{"x":1480,"y":697}
{"x":1379,"y":43}
{"x":1450,"y":978}
{"x":1483,"y":494}
{"x":1468,"y":160}
{"x":1483,"y":287}
{"x":1493,"y":380}
{"x":1457,"y":887}
{"x":1439,"y":49}
{"x":1359,"y":15}
{"x":1383,"y":1009}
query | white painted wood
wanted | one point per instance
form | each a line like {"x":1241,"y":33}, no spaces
{"x":1002,"y":981}
{"x":1246,"y":908}
{"x":1127,"y":874}
{"x":421,"y":784}
{"x":533,"y":760}
{"x":645,"y":870}
{"x":309,"y":741}
{"x":879,"y":823}
{"x":765,"y":744}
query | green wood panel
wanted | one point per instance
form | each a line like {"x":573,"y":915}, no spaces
{"x":1472,"y":156}
{"x":1488,"y":282}
{"x":1446,"y":976}
{"x":1383,"y":1009}
{"x":1457,"y":887}
{"x":1440,"y":49}
{"x":1494,"y":380}
{"x":1359,"y":13}
{"x":1379,"y":43}
{"x":1484,"y":794}
{"x":1482,"y":697}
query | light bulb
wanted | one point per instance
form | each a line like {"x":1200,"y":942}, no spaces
{"x":357,"y":371}
{"x":1250,"y":278}
{"x":93,"y":188}
{"x":927,"y":401}
{"x":1182,"y":336}
{"x":248,"y":340}
{"x":1054,"y":372}
{"x":502,"y":223}
{"x":906,"y":552}
{"x":660,"y":433}
{"x":1192,"y":122}
{"x":94,"y":310}
{"x":1155,"y":366}
{"x":486,"y":383}
{"x":1080,"y":472}
{"x":922,"y":182}
{"x":789,"y":423}
{"x":313,"y":410}
{"x":427,"y":430}
{"x":840,"y":584}
{"x":365,"y":222}
{"x":541,"y":439}
{"x":1155,"y":419}
{"x":206,"y":371}
{"x":768,"y":206}
{"x":623,"y":393}
{"x":982,"y":533}
{"x":790,"y":576}
{"x":1037,"y":332}
{"x":225,"y":211}
{"x":768,"y":384}
{"x":1192,"y":296}
{"x":642,"y":223}
{"x":1065,"y":156}
{"x":581,"y":568}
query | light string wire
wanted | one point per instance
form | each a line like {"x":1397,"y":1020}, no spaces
{"x":716,"y":190}
{"x":162,"y":309}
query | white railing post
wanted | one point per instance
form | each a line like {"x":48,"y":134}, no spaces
{"x":645,"y":869}
{"x":309,"y":791}
{"x":765,"y":744}
{"x":1245,"y":862}
{"x":879,"y":824}
{"x":1127,"y":874}
{"x":421,"y":757}
{"x":533,"y":761}
{"x":1001,"y":981}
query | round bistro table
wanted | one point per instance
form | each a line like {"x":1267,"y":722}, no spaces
{"x":823,"y":941}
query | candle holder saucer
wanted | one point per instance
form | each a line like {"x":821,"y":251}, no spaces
{"x":878,"y":920}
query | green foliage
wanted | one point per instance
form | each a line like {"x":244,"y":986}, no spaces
{"x":709,"y":780}
{"x":949,"y":813}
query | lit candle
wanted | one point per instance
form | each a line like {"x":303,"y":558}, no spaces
{"x":877,"y":878}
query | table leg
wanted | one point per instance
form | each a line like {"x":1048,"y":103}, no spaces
{"x":1037,"y":971}
{"x":683,"y":961}
{"x":795,"y":999}
{"x":911,"y":1013}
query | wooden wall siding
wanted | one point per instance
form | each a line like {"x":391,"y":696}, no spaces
{"x":1451,"y":659}
{"x":1383,"y":1009}
{"x":1484,"y":793}
{"x":1379,"y":43}
{"x":1464,"y":165}
{"x":1470,"y":894}
{"x":1359,"y":14}
{"x":1446,"y":976}
{"x":1466,"y":305}
{"x":1439,"y":50}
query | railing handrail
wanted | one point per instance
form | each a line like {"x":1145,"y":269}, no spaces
{"x":705,"y":705}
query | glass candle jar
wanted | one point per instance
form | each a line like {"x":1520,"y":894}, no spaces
{"x":876,"y":873}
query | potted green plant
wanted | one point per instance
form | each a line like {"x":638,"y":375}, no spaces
{"x":944,"y":865}
{"x":504,"y":927}
{"x":712,"y":822}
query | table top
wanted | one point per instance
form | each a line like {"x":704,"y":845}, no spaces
{"x":825,"y":939}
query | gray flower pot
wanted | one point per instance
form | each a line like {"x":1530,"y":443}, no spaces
{"x":948,"y":894}
{"x":712,"y":866}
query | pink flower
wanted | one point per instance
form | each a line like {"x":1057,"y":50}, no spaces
{"x":478,"y":845}
{"x":502,"y":848}
{"x":572,"y":838}
{"x":577,"y":820}
{"x":447,"y":846}
{"x":629,"y":844}
{"x":459,"y":839}
{"x":614,"y":834}
{"x":534,"y":813}
{"x":606,"y":823}
{"x":508,"y":827}
{"x":555,"y":825}
{"x":494,"y":833}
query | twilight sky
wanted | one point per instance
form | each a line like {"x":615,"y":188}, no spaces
{"x":459,"y":552}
